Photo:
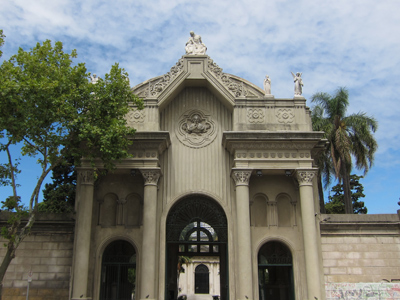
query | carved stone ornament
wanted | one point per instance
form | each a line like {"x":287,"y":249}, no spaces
{"x":236,"y":87}
{"x":155,"y":86}
{"x":255,"y":115}
{"x":135,"y":116}
{"x":151,"y":176}
{"x":86,"y":176}
{"x":285,"y":115}
{"x":305,"y":177}
{"x":241,"y":177}
{"x":196,"y":129}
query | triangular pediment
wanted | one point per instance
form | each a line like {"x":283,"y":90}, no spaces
{"x":197,"y":70}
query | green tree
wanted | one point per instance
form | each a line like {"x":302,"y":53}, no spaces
{"x":336,"y":202}
{"x":59,"y":196}
{"x":349,"y":136}
{"x":48,"y":105}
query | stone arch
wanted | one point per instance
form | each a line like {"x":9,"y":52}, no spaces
{"x":275,"y":271}
{"x":118,"y":277}
{"x":284,"y":207}
{"x":187,"y":223}
{"x":259,"y":211}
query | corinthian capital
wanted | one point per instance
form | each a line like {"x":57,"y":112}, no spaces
{"x":305,"y":177}
{"x":86,"y":176}
{"x":151,"y":176}
{"x":241,"y":177}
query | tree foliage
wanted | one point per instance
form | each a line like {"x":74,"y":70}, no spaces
{"x":59,"y":195}
{"x":350,"y":138}
{"x":48,"y":105}
{"x":336,"y":201}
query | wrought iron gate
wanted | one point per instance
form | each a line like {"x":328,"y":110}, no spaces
{"x":118,"y":274}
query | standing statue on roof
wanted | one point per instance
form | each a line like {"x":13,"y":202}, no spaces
{"x":267,"y":85}
{"x":194,"y":45}
{"x":298,"y":84}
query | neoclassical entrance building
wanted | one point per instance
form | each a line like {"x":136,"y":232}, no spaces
{"x":220,"y":169}
{"x":218,"y":198}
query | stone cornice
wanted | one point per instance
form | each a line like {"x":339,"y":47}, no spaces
{"x":287,"y":140}
{"x":145,"y":140}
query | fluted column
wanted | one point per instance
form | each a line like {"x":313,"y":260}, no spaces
{"x":243,"y":241}
{"x":148,"y":260}
{"x":305,"y":179}
{"x":83,"y":231}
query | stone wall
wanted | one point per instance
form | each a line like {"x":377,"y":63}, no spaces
{"x":47,"y":251}
{"x":360,"y":249}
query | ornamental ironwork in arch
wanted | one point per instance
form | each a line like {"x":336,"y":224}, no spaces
{"x":274,"y":253}
{"x":196,"y":208}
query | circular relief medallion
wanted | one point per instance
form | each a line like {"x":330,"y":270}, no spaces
{"x":196,"y":129}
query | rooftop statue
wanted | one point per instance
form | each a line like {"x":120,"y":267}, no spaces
{"x":298,"y":84}
{"x":267,"y":85}
{"x":194,"y":45}
{"x":94,"y":79}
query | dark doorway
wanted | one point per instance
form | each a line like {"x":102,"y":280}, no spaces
{"x":275,"y":272}
{"x":202,"y":280}
{"x":196,"y":226}
{"x":118,"y":272}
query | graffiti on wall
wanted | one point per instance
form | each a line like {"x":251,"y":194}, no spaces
{"x":370,"y":291}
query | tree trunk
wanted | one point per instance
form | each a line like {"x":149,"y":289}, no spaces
{"x":321,"y":195}
{"x":348,"y":204}
{"x":4,"y":266}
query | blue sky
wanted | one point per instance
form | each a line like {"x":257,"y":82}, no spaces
{"x":353,"y":44}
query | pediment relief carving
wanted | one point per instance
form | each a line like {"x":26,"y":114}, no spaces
{"x":236,"y":86}
{"x":196,"y":129}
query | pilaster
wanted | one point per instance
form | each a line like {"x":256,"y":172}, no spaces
{"x":148,"y":260}
{"x":305,"y":179}
{"x":243,"y":241}
{"x":84,"y":210}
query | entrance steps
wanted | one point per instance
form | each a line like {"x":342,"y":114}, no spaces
{"x":199,"y":297}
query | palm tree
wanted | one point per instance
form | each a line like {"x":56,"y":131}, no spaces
{"x":348,"y":136}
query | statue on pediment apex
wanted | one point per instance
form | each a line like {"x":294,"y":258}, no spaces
{"x":194,"y":45}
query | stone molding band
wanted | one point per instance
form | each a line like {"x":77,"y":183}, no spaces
{"x":151,"y":176}
{"x":241,"y":177}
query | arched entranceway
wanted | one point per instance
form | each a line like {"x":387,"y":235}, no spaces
{"x":118,"y":272}
{"x":275,"y":272}
{"x":196,"y":227}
